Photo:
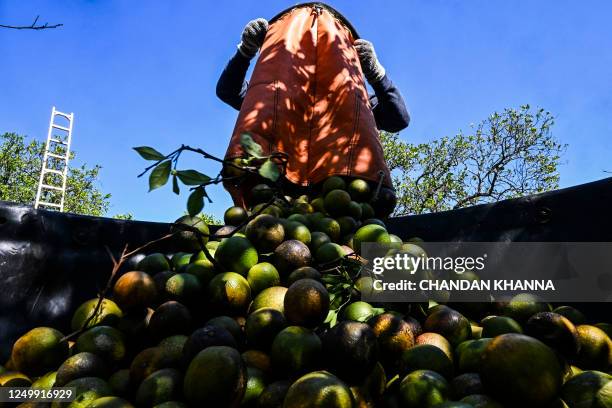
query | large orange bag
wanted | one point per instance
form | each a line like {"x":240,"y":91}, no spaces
{"x":307,"y":98}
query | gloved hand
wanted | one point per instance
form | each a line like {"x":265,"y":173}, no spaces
{"x":253,"y":37}
{"x":370,"y":65}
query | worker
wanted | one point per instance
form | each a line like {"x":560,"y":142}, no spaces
{"x":307,"y":97}
{"x":387,"y":103}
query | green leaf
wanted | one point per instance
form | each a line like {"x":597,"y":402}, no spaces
{"x":195,"y":202}
{"x":192,"y":177}
{"x":249,"y":146}
{"x":149,"y":153}
{"x":269,"y":170}
{"x":175,"y":186}
{"x":159,"y":176}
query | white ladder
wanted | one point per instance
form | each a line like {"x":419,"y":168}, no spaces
{"x":54,"y":172}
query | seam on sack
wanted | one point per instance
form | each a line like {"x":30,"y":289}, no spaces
{"x":314,"y":100}
{"x":354,"y":135}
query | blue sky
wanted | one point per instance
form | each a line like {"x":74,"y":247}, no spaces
{"x":144,"y":73}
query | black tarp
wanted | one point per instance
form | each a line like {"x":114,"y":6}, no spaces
{"x":51,"y":262}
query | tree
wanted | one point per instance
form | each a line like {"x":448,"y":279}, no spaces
{"x":20,"y":164}
{"x":509,"y":154}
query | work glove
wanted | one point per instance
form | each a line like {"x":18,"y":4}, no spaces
{"x":370,"y":65}
{"x":253,"y":37}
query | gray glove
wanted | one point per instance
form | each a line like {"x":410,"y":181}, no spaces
{"x":370,"y":65}
{"x":253,"y":37}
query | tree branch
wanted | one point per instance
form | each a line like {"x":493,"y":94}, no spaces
{"x":33,"y":26}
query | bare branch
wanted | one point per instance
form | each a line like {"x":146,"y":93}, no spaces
{"x":32,"y":26}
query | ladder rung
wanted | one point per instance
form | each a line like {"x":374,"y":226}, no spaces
{"x":59,"y":141}
{"x":49,"y":204}
{"x":51,"y":187}
{"x":46,"y":170}
{"x":57,"y":156}
{"x":61,"y":128}
{"x":66,"y":115}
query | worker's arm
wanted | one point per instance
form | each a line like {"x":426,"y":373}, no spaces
{"x":388,"y":105}
{"x":232,"y":85}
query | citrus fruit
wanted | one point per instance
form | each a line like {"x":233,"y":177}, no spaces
{"x":521,"y":370}
{"x":85,"y":391}
{"x":229,"y":292}
{"x":595,"y":348}
{"x":469,"y":354}
{"x":229,"y":324}
{"x":184,"y":287}
{"x":107,"y":314}
{"x":426,"y":357}
{"x":203,"y":269}
{"x":235,"y":216}
{"x":574,"y":315}
{"x":161,"y":386}
{"x":38,"y":351}
{"x":215,"y":377}
{"x":46,"y":381}
{"x":394,"y":336}
{"x":521,"y":307}
{"x":191,"y":232}
{"x":173,"y":346}
{"x":555,"y":331}
{"x":168,"y":319}
{"x":205,"y":337}
{"x":317,"y":239}
{"x":134,"y":290}
{"x":273,"y":297}
{"x":236,"y":254}
{"x":306,"y":303}
{"x":153,"y":263}
{"x":261,"y":276}
{"x":262,"y":326}
{"x":298,"y":231}
{"x":329,"y":253}
{"x":360,"y":190}
{"x":329,"y":226}
{"x":450,"y":324}
{"x":351,"y":350}
{"x":257,"y":359}
{"x":273,"y":395}
{"x":336,"y":202}
{"x":80,"y":365}
{"x":305,"y":272}
{"x":481,"y":401}
{"x":180,"y":260}
{"x":290,"y":255}
{"x":358,"y":311}
{"x":265,"y":232}
{"x":466,"y":384}
{"x":148,"y":361}
{"x":581,"y":390}
{"x":496,"y":325}
{"x":254,"y":387}
{"x":295,"y":351}
{"x":423,"y":389}
{"x":110,"y":402}
{"x":105,"y":341}
{"x":370,"y":233}
{"x":436,"y":340}
{"x":333,"y":183}
{"x":319,"y":389}
{"x":261,"y":193}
